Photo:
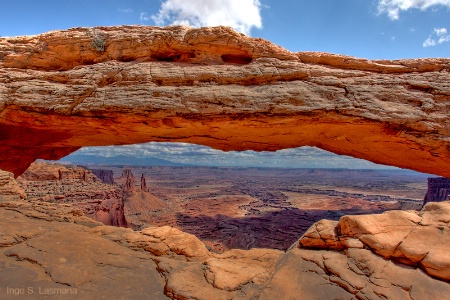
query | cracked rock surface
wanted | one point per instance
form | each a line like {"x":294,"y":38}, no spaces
{"x":48,"y":249}
{"x":60,"y":91}
{"x":408,"y":245}
{"x":51,"y":249}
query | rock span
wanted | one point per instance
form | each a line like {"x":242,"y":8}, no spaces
{"x":63,"y":90}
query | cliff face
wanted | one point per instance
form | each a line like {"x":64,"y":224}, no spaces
{"x":9,"y":189}
{"x":57,"y":183}
{"x":40,"y":171}
{"x":213,"y":86}
{"x":106,"y":176}
{"x":384,"y":256}
{"x":438,"y":190}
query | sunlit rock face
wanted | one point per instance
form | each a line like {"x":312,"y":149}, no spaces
{"x":63,"y":90}
{"x":9,"y":189}
{"x":65,"y":184}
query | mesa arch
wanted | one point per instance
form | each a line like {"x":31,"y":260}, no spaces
{"x":63,"y":90}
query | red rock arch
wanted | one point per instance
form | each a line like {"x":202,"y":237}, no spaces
{"x":215,"y":87}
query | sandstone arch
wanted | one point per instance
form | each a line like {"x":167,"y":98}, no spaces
{"x":216,"y":87}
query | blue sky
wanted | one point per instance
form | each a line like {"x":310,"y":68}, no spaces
{"x":373,"y":29}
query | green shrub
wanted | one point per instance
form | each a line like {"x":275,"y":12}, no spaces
{"x":98,"y":41}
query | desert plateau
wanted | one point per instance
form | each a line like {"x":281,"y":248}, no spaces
{"x":195,"y":232}
{"x":226,"y":208}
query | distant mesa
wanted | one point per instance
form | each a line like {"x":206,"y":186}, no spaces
{"x":438,"y":190}
{"x":106,"y":176}
{"x":79,"y":186}
{"x":118,"y":160}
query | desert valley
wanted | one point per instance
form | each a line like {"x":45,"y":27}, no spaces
{"x":226,"y":208}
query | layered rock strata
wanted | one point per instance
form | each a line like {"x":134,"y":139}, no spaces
{"x":9,"y":188}
{"x":40,"y":171}
{"x":75,"y":185}
{"x":438,"y":190}
{"x":106,"y":176}
{"x":138,"y":201}
{"x":60,"y":91}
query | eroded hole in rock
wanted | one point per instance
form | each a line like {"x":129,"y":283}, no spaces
{"x":237,"y":59}
{"x":227,"y":199}
{"x":173,"y":57}
{"x":126,"y":58}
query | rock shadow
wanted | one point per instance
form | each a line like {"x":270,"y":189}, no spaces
{"x":276,"y":229}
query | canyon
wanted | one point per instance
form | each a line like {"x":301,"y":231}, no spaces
{"x":60,"y":91}
{"x":53,"y":250}
{"x":244,"y":208}
{"x":226,"y":208}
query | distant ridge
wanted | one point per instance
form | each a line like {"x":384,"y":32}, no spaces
{"x":118,"y":160}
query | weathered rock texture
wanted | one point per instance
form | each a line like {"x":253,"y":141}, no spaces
{"x":438,"y":190}
{"x":75,"y":185}
{"x":9,"y":189}
{"x":138,"y":201}
{"x":418,"y":239}
{"x":120,"y":85}
{"x":50,"y":248}
{"x":53,"y":246}
{"x":42,"y":171}
{"x":127,"y":181}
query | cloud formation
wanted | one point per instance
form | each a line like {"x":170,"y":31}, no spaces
{"x":191,"y":154}
{"x":144,"y":17}
{"x":242,"y":15}
{"x":393,"y":7}
{"x":125,"y":10}
{"x":439,"y":36}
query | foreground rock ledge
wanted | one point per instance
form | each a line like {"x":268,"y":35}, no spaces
{"x":63,"y":90}
{"x":54,"y":247}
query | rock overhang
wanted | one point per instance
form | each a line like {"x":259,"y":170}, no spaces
{"x":59,"y":91}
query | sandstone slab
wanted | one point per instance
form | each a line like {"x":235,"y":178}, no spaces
{"x":418,"y":239}
{"x":55,"y":254}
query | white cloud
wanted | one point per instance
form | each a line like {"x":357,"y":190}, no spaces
{"x":191,"y":154}
{"x":440,"y":31}
{"x":242,"y":15}
{"x":144,"y":17}
{"x":393,"y":7}
{"x":439,"y":36}
{"x":429,"y":42}
{"x":125,"y":10}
